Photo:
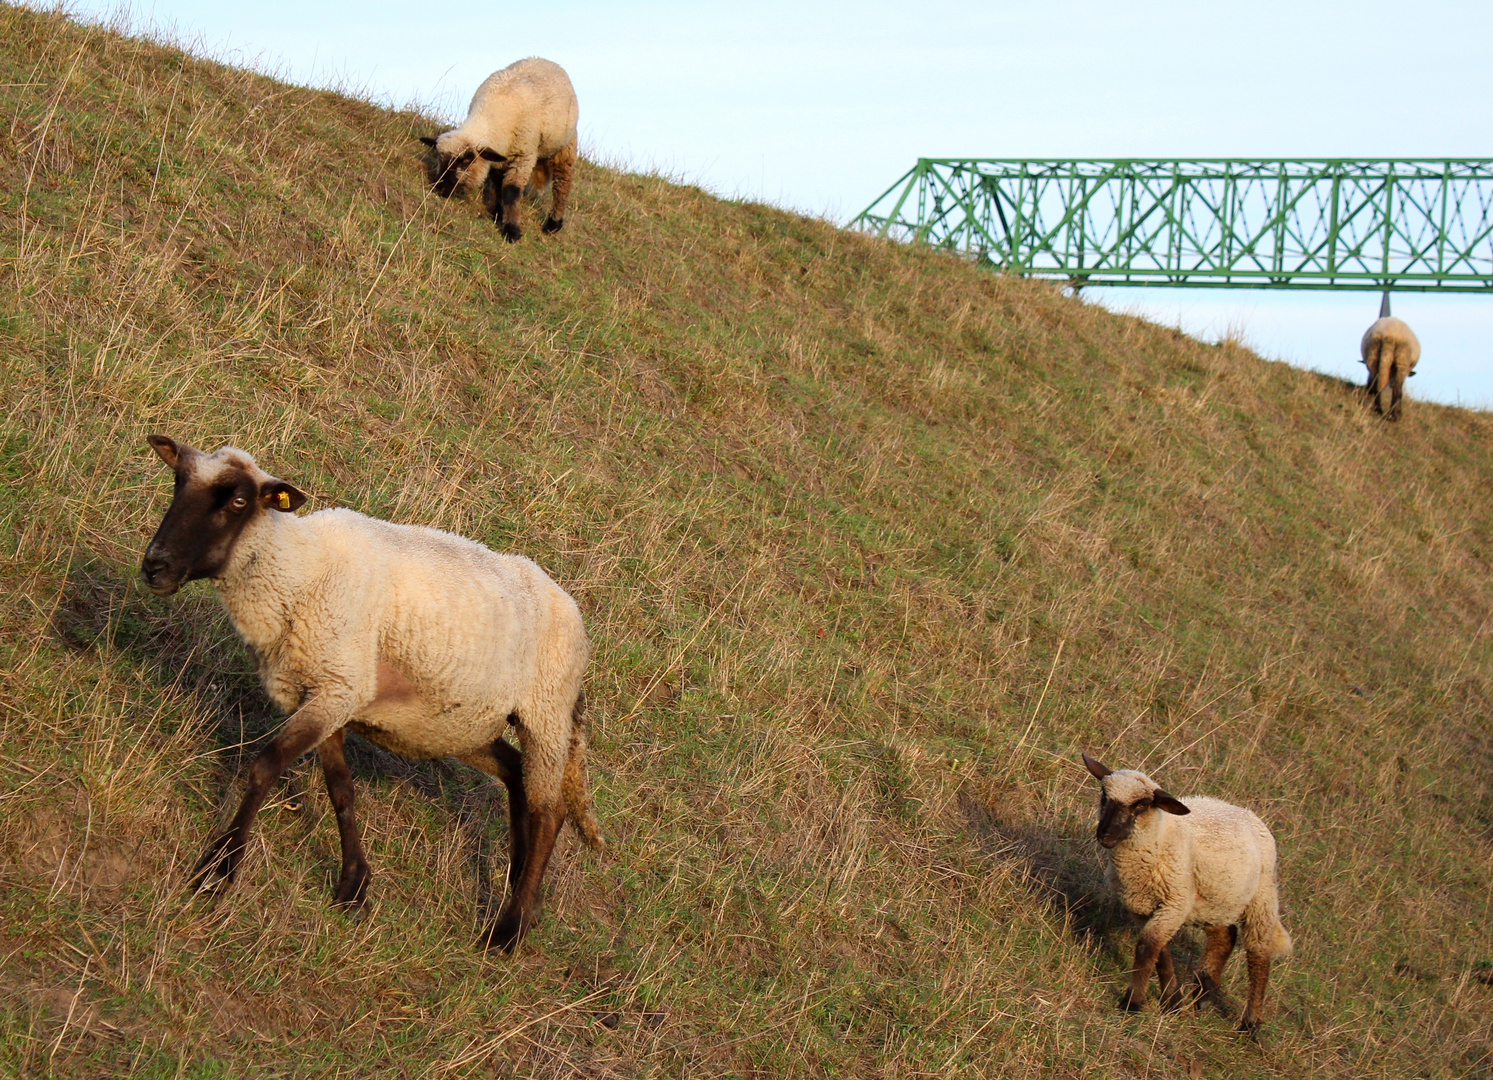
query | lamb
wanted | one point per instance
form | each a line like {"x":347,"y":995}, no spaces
{"x":1200,"y":863}
{"x":424,"y":642}
{"x":521,"y":120}
{"x":1390,"y":350}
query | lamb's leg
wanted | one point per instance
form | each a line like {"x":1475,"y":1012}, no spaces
{"x":562,"y":171}
{"x":1166,"y":975}
{"x":302,"y":731}
{"x":1220,"y":945}
{"x":352,"y":886}
{"x":1372,"y":362}
{"x":508,"y":188}
{"x":1259,"y":975}
{"x":1148,"y":949}
{"x":1396,"y":391}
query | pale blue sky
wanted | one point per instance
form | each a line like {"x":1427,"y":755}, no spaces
{"x":820,"y":106}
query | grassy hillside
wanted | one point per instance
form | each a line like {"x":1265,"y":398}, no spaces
{"x":871,"y":544}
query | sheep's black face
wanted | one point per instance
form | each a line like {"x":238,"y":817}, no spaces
{"x":448,"y":172}
{"x":216,"y":496}
{"x":1117,"y":820}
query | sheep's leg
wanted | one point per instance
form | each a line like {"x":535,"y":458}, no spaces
{"x":512,"y":776}
{"x":1166,"y":975}
{"x":220,"y":862}
{"x":1374,"y":362}
{"x":1396,"y":391}
{"x":507,"y":764}
{"x":523,"y":902}
{"x":562,"y":171}
{"x":352,"y":885}
{"x":1220,"y":945}
{"x":1259,"y":975}
{"x":1147,"y":951}
{"x":501,"y":195}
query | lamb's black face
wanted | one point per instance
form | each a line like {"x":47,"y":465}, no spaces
{"x":449,"y":171}
{"x":1117,"y":819}
{"x":216,"y":496}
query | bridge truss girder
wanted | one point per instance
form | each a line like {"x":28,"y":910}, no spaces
{"x":1401,"y":225}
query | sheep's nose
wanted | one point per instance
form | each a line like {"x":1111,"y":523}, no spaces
{"x":151,"y":568}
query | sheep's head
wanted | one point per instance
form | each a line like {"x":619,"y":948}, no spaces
{"x":216,"y":496}
{"x":1125,"y":797}
{"x":458,"y":164}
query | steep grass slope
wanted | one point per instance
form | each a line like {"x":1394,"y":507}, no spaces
{"x":871,"y":544}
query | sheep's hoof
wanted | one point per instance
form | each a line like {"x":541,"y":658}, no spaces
{"x":352,"y":889}
{"x":504,"y":934}
{"x":512,"y":233}
{"x":1130,"y":1003}
{"x":552,"y":225}
{"x":1251,"y":1027}
{"x":219,"y":863}
{"x":1173,"y":1002}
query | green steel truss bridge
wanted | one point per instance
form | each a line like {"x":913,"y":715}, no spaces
{"x":1393,"y":225}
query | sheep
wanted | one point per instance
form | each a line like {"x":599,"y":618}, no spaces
{"x":522,"y":120}
{"x":1199,"y":863}
{"x":1390,"y":351}
{"x":426,"y":643}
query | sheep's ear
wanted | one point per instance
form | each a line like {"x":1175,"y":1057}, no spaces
{"x":1170,"y":803}
{"x":169,"y":450}
{"x":278,"y":495}
{"x":427,"y":140}
{"x":1099,"y":769}
{"x":491,"y":155}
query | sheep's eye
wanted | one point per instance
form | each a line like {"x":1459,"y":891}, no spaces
{"x":239,"y":502}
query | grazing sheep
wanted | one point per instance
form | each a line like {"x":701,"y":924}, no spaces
{"x":1213,"y":867}
{"x":519,"y":132}
{"x":1390,"y":350}
{"x":428,"y":644}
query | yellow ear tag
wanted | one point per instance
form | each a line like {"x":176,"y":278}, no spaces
{"x":284,"y":500}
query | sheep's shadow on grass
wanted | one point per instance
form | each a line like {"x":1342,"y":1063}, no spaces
{"x":185,"y":645}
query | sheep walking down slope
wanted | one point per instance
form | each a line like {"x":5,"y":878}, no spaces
{"x":520,"y":133}
{"x":1202,"y":862}
{"x":1390,"y":351}
{"x":423,"y":642}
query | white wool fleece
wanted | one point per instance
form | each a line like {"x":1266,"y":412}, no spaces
{"x":426,"y":640}
{"x":1212,"y":867}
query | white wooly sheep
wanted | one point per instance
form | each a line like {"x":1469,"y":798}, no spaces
{"x":423,"y":642}
{"x":519,"y":133}
{"x":1390,"y":350}
{"x":1213,"y":867}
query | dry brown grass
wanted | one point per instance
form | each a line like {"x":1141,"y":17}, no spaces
{"x":871,"y":544}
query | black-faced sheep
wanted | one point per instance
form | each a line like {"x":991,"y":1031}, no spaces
{"x":1213,"y":867}
{"x":426,"y":643}
{"x":519,"y":133}
{"x":1390,"y":351}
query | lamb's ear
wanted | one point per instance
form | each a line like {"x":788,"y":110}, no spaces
{"x":278,"y":495}
{"x":169,"y":450}
{"x":1099,"y":770}
{"x":488,"y":154}
{"x":1170,"y":803}
{"x":427,"y":140}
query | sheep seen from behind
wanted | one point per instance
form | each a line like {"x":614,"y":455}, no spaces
{"x":520,"y":133}
{"x":1202,"y":862}
{"x":423,"y":642}
{"x":1390,"y":351}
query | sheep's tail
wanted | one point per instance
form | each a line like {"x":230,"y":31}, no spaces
{"x":1280,"y":944}
{"x":573,"y":787}
{"x":1384,"y":374}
